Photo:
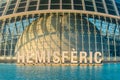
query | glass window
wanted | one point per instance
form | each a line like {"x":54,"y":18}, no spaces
{"x":78,"y":4}
{"x":32,"y":8}
{"x":112,"y":12}
{"x":21,"y":10}
{"x":13,"y":1}
{"x":77,"y":7}
{"x":108,"y":1}
{"x":55,"y":6}
{"x":118,"y":6}
{"x":22,"y":4}
{"x":55,"y":1}
{"x":42,"y":7}
{"x":1,"y":9}
{"x":33,"y":3}
{"x":43,"y":1}
{"x":9,"y":12}
{"x":11,"y":6}
{"x":101,"y":10}
{"x":77,"y":1}
{"x":88,"y":3}
{"x":66,"y":6}
{"x":23,"y":0}
{"x":99,"y":4}
{"x":3,"y":4}
{"x":110,"y":7}
{"x":89,"y":8}
{"x":98,"y":0}
{"x":66,"y":1}
{"x":0,"y":13}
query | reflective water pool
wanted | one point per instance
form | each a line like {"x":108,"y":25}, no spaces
{"x":107,"y":71}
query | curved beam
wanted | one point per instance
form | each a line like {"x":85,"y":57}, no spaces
{"x":57,"y":11}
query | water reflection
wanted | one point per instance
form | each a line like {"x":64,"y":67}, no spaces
{"x":104,"y":72}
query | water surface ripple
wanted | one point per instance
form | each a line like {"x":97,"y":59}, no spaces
{"x":109,"y":71}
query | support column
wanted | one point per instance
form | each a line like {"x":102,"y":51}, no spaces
{"x":16,"y":6}
{"x":72,"y":4}
{"x":6,"y":37}
{"x":83,"y":4}
{"x":27,"y":5}
{"x":60,"y":4}
{"x":104,"y":4}
{"x":6,"y":7}
{"x":38,"y":4}
{"x":101,"y":37}
{"x":69,"y":33}
{"x":114,"y":42}
{"x":107,"y":36}
{"x":95,"y":33}
{"x":115,"y":6}
{"x":76,"y":33}
{"x":49,"y":3}
{"x":82,"y":32}
{"x":88,"y":25}
{"x":2,"y":34}
{"x":94,"y":4}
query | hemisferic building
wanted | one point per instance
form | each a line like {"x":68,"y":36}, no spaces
{"x":60,"y":25}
